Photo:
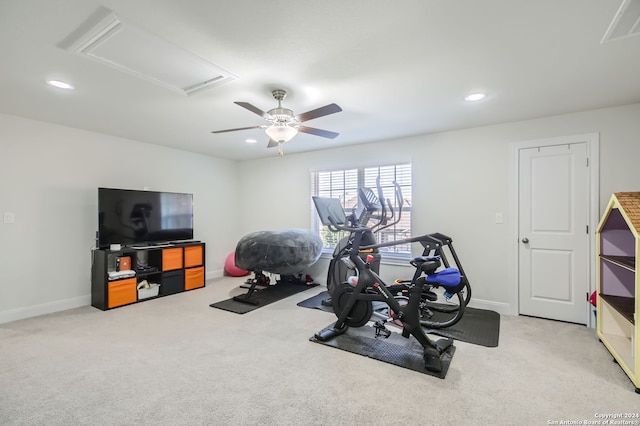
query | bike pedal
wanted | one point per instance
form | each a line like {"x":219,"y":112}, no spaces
{"x":430,"y":296}
{"x":381,"y":330}
{"x":426,"y":314}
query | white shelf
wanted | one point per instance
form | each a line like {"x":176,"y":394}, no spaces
{"x":617,"y":332}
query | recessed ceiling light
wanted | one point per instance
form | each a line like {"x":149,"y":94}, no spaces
{"x":475,"y":97}
{"x":60,"y":84}
{"x":251,"y":140}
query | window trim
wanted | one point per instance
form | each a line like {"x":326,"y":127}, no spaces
{"x":387,"y":257}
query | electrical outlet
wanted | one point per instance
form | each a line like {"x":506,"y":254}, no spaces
{"x":9,"y":217}
{"x":499,"y":217}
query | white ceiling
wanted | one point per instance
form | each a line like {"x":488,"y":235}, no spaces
{"x":396,"y":68}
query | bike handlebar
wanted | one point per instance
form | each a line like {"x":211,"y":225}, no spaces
{"x":421,"y":238}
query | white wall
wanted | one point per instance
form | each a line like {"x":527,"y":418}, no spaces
{"x":461,"y":179}
{"x":49,"y":177}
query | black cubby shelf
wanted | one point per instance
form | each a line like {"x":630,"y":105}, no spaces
{"x":115,"y":275}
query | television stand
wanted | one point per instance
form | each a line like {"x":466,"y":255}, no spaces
{"x":175,"y":267}
{"x":148,"y":246}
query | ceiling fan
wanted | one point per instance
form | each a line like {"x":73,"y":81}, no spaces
{"x":284,"y":124}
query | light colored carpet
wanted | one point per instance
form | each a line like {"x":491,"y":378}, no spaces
{"x":177,"y":361}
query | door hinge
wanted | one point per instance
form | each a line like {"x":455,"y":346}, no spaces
{"x":587,"y":229}
{"x":587,"y":161}
{"x":587,"y":296}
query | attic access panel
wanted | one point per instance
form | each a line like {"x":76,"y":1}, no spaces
{"x":115,"y":42}
{"x":625,"y":23}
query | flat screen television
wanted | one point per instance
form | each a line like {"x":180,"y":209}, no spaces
{"x":130,"y":217}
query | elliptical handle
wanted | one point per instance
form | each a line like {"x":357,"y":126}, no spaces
{"x":383,"y":213}
{"x":399,"y":201}
{"x":335,"y":226}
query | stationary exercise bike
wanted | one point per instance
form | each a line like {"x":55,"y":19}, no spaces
{"x":353,"y":304}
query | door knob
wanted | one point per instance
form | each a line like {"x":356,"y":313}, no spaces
{"x":525,"y":240}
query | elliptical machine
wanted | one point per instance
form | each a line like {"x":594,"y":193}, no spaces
{"x":439,"y":307}
{"x":353,"y":304}
{"x":373,"y":212}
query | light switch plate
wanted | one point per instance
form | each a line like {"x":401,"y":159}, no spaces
{"x":9,"y":217}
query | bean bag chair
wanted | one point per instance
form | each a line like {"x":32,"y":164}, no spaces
{"x":284,"y":252}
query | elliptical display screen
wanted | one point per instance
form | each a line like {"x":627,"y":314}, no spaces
{"x":129,"y":217}
{"x":330,"y":208}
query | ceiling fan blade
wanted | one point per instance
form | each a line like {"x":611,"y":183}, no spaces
{"x":272,"y":143}
{"x":318,"y":132}
{"x":319,"y":112}
{"x":254,"y":109}
{"x":239,"y":128}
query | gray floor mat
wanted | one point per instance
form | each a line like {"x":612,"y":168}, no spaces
{"x":477,"y":326}
{"x":263,"y":297}
{"x":396,"y":350}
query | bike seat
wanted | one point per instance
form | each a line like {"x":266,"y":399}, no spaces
{"x":449,"y":277}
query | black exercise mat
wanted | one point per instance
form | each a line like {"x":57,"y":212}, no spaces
{"x":395,"y":349}
{"x":477,"y":326}
{"x":264,"y":297}
{"x":315,"y":302}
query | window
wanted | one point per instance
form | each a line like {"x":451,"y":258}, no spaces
{"x":344,"y":184}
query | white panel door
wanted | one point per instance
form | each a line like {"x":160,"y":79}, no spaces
{"x":554,"y":245}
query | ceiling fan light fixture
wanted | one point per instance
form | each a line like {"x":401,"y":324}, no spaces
{"x":284,"y":125}
{"x":281,"y":133}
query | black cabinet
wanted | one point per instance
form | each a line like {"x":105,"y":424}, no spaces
{"x":172,"y":282}
{"x":170,"y":269}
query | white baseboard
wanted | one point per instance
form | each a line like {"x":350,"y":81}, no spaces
{"x":76,"y":302}
{"x":43,"y":309}
{"x":209,"y":275}
{"x":63,"y":305}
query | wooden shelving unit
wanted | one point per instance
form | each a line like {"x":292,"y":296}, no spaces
{"x":618,"y":244}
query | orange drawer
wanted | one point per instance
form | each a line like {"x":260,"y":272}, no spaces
{"x":121,"y":292}
{"x":171,"y":259}
{"x":193,"y":278}
{"x":192,"y":256}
